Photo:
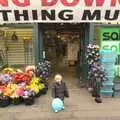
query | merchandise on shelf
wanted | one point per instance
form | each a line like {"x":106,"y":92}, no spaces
{"x":108,"y":59}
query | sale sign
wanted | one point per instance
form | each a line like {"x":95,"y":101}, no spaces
{"x":110,"y":38}
{"x":18,"y":11}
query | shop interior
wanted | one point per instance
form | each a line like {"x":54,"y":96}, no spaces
{"x":61,"y":46}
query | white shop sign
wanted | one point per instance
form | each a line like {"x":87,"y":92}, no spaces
{"x":18,"y":11}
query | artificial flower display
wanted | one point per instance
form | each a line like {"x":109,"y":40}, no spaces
{"x":29,"y":70}
{"x":96,"y":73}
{"x":43,"y":69}
{"x":19,"y":91}
{"x":35,"y":85}
{"x":8,"y":70}
{"x":18,"y":86}
{"x":20,"y":77}
{"x":2,"y":88}
{"x":9,"y":89}
{"x":28,"y":93}
{"x":92,"y":53}
{"x":28,"y":97}
{"x":5,"y":78}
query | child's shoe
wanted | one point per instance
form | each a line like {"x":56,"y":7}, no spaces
{"x":56,"y":111}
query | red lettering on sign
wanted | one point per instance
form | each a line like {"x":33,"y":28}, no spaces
{"x":90,"y":2}
{"x":73,"y":3}
{"x":4,"y":3}
{"x":21,"y":4}
{"x":113,"y":2}
{"x":49,"y":3}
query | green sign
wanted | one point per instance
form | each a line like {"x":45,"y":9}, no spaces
{"x":110,"y":38}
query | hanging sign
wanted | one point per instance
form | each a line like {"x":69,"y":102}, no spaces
{"x":18,"y":11}
{"x":110,"y":38}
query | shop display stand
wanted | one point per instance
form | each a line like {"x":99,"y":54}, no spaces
{"x":108,"y":58}
{"x":23,"y":86}
{"x":96,"y":73}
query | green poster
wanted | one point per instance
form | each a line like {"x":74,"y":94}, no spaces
{"x":110,"y":38}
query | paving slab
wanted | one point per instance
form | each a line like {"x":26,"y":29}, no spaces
{"x":80,"y":106}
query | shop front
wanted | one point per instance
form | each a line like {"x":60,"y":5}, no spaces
{"x":63,"y":44}
{"x":108,"y":37}
{"x":57,"y":31}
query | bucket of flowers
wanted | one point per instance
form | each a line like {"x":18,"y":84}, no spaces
{"x":36,"y":86}
{"x":8,"y":71}
{"x":5,"y":78}
{"x":4,"y":100}
{"x":20,"y":77}
{"x":16,"y":97}
{"x":43,"y":89}
{"x":29,"y":97}
{"x":29,"y":70}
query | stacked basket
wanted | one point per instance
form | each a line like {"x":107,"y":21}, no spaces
{"x":108,"y":58}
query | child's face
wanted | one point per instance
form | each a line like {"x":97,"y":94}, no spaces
{"x":58,"y":80}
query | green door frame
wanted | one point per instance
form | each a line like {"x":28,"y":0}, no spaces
{"x":38,"y":32}
{"x":85,"y":40}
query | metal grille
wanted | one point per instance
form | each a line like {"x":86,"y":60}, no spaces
{"x":19,"y":48}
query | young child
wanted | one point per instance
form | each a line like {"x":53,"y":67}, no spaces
{"x":59,"y":88}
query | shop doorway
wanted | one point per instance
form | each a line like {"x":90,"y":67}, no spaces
{"x":62,"y":44}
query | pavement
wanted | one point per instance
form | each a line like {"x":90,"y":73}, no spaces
{"x":80,"y":106}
